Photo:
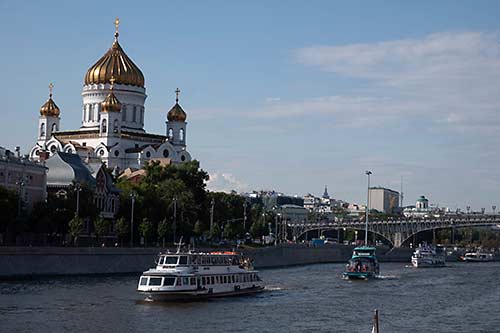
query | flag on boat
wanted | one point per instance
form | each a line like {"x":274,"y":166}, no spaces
{"x":375,"y":322}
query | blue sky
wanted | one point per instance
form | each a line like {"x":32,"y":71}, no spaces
{"x":289,"y":95}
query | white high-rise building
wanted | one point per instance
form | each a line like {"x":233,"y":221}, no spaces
{"x":112,"y":127}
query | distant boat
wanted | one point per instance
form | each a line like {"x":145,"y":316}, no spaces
{"x":477,"y":256}
{"x":363,"y":264}
{"x":428,"y":256}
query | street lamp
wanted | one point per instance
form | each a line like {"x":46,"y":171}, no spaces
{"x":494,"y":208}
{"x":468,"y":209}
{"x":245,"y":216}
{"x":368,"y":173}
{"x":482,"y":210}
{"x":21,"y":185}
{"x":132,"y":197}
{"x":212,"y":204}
{"x":78,"y":189}
{"x":175,"y":217}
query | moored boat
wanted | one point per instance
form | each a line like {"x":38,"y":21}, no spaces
{"x":363,"y":264}
{"x":428,"y":256}
{"x":477,"y":256}
{"x":197,"y":275}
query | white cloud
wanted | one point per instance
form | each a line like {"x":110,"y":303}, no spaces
{"x":225,"y":182}
{"x":450,"y":79}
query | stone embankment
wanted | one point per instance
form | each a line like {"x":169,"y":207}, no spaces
{"x":47,"y":261}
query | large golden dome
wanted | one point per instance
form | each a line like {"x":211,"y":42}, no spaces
{"x":115,"y":63}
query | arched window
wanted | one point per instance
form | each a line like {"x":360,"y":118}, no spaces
{"x":91,"y":112}
{"x":165,"y":153}
{"x":181,"y":134}
{"x":42,"y":129}
{"x":115,"y":126}
{"x":104,"y":129}
{"x":124,"y":113}
{"x":134,"y":114}
{"x":170,"y":134}
{"x":54,"y":127}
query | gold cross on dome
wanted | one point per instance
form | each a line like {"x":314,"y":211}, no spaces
{"x":51,"y":85}
{"x":177,"y":92}
{"x":117,"y":23}
{"x":112,"y":81}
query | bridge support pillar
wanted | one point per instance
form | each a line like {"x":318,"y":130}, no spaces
{"x":397,"y":239}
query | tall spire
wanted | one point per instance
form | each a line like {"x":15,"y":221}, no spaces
{"x":117,"y":23}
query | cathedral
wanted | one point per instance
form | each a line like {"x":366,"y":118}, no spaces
{"x":112,"y":127}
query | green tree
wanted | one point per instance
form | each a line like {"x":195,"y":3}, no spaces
{"x":146,"y":228}
{"x":259,"y":229}
{"x":163,"y":230}
{"x":123,"y":229}
{"x":8,"y":207}
{"x":75,"y":228}
{"x":230,"y":231}
{"x":214,"y":233}
{"x":198,"y":228}
{"x":101,"y":227}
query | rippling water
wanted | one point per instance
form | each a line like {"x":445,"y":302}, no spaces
{"x":458,"y":298}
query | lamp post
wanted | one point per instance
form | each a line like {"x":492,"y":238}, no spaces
{"x":468,"y":209}
{"x":483,"y":210}
{"x":175,"y":218}
{"x":212,"y":204}
{"x":494,"y":208}
{"x":276,"y":230}
{"x":21,"y":185}
{"x":245,"y":216}
{"x":132,"y":197}
{"x":78,"y":189}
{"x":368,"y":173}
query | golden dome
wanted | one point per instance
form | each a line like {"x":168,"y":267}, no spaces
{"x":176,"y":113}
{"x":115,"y":63}
{"x":50,"y":108}
{"x":111,"y":103}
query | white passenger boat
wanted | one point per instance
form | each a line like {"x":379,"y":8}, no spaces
{"x":428,"y":256}
{"x":190,"y":275}
{"x":477,"y":256}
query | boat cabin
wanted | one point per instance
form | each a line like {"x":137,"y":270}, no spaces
{"x":208,"y":259}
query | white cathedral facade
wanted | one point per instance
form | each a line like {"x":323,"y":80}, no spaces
{"x":113,"y":113}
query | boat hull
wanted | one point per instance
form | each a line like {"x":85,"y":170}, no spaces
{"x":166,"y":296}
{"x":424,"y":263}
{"x":359,"y":275}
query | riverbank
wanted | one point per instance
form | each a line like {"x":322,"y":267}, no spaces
{"x":46,"y":261}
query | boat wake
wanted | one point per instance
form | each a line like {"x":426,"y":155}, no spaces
{"x":274,"y":288}
{"x":387,"y":277}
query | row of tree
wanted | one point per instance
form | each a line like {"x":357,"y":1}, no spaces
{"x":169,"y":202}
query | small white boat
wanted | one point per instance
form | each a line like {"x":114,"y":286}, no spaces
{"x":196,"y":275}
{"x":428,"y":256}
{"x":477,"y":256}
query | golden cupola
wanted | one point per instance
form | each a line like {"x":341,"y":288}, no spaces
{"x":176,"y":113}
{"x":115,"y":63}
{"x":50,"y":109}
{"x":111,"y":103}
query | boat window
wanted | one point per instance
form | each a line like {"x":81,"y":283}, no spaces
{"x":203,"y":280}
{"x":237,"y":278}
{"x":194,"y":260}
{"x":144,"y":281}
{"x":169,"y":281}
{"x":185,"y":281}
{"x":217,"y":279}
{"x":183,"y":260}
{"x":214,"y":260}
{"x":155,"y":281}
{"x":225,"y":279}
{"x":178,"y":282}
{"x":212,"y":280}
{"x":162,"y":259}
{"x":193,"y":281}
{"x":232,"y":278}
{"x":171,"y":260}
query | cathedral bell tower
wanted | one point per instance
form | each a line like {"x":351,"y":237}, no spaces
{"x":176,"y":123}
{"x":110,"y":115}
{"x":48,"y":122}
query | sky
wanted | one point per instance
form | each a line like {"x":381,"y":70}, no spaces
{"x":285,"y":95}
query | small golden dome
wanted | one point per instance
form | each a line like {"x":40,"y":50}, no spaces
{"x":176,"y":113}
{"x":115,"y":63}
{"x":50,"y":108}
{"x":111,"y":103}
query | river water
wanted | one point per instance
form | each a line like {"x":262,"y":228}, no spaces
{"x":462,"y":297}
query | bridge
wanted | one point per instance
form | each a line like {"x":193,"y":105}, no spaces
{"x":398,"y":231}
